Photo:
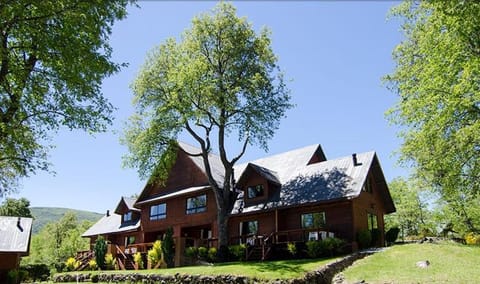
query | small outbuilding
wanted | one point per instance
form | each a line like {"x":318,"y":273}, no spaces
{"x":15,"y":234}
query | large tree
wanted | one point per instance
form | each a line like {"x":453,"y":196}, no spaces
{"x":437,"y":77}
{"x":53,"y":58}
{"x":219,"y":81}
{"x":16,"y":208}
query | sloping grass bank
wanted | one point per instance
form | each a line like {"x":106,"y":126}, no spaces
{"x":449,"y":263}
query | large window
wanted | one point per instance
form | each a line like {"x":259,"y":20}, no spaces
{"x":249,"y":228}
{"x":313,"y":220}
{"x":255,"y":191}
{"x":158,"y":212}
{"x":372,"y":221}
{"x":197,"y":204}
{"x":127,"y":216}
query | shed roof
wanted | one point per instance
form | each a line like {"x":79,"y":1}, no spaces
{"x":15,"y":234}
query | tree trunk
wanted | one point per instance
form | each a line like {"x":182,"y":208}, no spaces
{"x":223,"y":237}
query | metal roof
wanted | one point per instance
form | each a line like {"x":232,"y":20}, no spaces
{"x":318,"y":182}
{"x":15,"y":234}
{"x":111,"y":224}
{"x":174,"y":194}
{"x":216,"y":165}
{"x":129,"y":202}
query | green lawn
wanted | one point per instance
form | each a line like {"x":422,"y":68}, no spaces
{"x":283,"y":269}
{"x":449,"y":263}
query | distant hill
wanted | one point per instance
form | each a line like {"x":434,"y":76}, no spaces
{"x":44,"y":215}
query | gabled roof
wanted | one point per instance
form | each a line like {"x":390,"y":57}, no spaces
{"x":319,"y":182}
{"x":128,"y":202}
{"x":111,"y":224}
{"x":269,"y":175}
{"x":216,"y":165}
{"x":15,"y":234}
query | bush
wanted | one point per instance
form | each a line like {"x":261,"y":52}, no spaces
{"x":137,"y":257}
{"x":364,"y":238}
{"x":292,"y":248}
{"x":333,"y":245}
{"x":72,"y":264}
{"x":472,"y":239}
{"x":203,"y":253}
{"x":155,"y":255}
{"x":191,"y":252}
{"x":13,"y":277}
{"x":100,"y":250}
{"x":391,"y":235}
{"x":37,"y":271}
{"x":92,"y":265}
{"x":238,"y":251}
{"x":212,"y":254}
{"x":109,"y":261}
{"x":315,"y":248}
{"x":168,"y":248}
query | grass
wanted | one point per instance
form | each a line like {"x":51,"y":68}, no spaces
{"x":449,"y":263}
{"x":266,"y":270}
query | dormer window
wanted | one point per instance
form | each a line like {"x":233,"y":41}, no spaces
{"x":127,"y":216}
{"x":255,"y":191}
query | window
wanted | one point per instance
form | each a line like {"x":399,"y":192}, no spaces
{"x":158,"y":212}
{"x":372,"y":221}
{"x":255,"y":191}
{"x":197,"y":204}
{"x":127,"y":216}
{"x":249,"y":228}
{"x":129,"y":240}
{"x":313,"y":220}
{"x":367,"y":187}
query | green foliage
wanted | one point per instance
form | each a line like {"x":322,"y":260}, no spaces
{"x":238,"y":251}
{"x":36,"y":272}
{"x":109,"y":261}
{"x":436,"y":78}
{"x":364,"y":238}
{"x":314,"y":248}
{"x":203,"y":252}
{"x":72,"y":264}
{"x":58,"y":241}
{"x":212,"y":254}
{"x":16,"y":208}
{"x":137,"y":258}
{"x":53,"y":58}
{"x":391,"y":235}
{"x":191,"y":252}
{"x":100,"y":251}
{"x":292,"y":248}
{"x":220,"y":81}
{"x":168,"y":248}
{"x":92,"y":264}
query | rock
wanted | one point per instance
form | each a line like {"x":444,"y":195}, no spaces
{"x":423,"y":264}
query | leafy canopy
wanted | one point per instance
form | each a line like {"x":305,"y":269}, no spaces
{"x":437,"y":78}
{"x":16,"y":208}
{"x":53,"y":58}
{"x":219,"y":80}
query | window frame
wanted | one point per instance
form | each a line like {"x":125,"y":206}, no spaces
{"x":372,"y":221}
{"x":158,"y":214}
{"x":255,"y":188}
{"x":197,"y":208}
{"x":127,"y":217}
{"x":313,"y":226}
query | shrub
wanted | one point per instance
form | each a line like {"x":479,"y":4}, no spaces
{"x":292,"y":248}
{"x":37,"y":271}
{"x":100,"y":250}
{"x":212,"y":254}
{"x":191,"y":252}
{"x":92,"y":265}
{"x":203,"y":253}
{"x":472,"y":239}
{"x":333,"y":245}
{"x":137,"y":257}
{"x":238,"y":251}
{"x":13,"y":277}
{"x":168,"y":248}
{"x":109,"y":261}
{"x":72,"y":264}
{"x":391,"y":235}
{"x":315,"y":248}
{"x":364,"y":238}
{"x":155,"y":255}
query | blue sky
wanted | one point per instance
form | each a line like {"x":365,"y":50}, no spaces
{"x":335,"y":54}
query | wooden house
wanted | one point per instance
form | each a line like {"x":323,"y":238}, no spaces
{"x":15,"y":234}
{"x":290,"y":197}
